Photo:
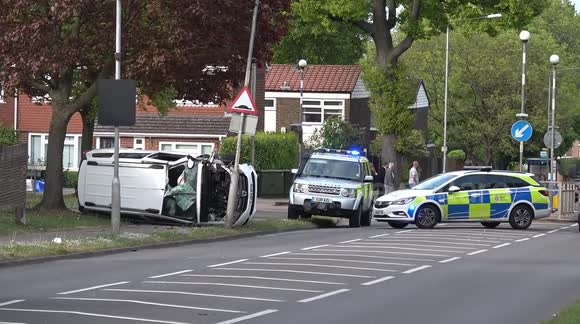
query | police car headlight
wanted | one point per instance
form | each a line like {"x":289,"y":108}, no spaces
{"x":300,"y":187}
{"x":403,"y":201}
{"x":348,"y":192}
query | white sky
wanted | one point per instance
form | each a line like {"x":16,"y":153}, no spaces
{"x":576,"y":5}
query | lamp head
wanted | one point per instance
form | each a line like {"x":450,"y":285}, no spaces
{"x":302,"y":63}
{"x":554,"y":59}
{"x":524,"y":36}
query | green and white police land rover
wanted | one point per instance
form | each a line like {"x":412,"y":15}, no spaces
{"x":335,"y":183}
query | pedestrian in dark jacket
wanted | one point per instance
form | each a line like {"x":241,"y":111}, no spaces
{"x":390,"y":178}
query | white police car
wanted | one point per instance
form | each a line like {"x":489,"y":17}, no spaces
{"x":489,"y":197}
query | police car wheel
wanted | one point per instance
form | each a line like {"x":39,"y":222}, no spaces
{"x":366,"y":218}
{"x":521,"y":217}
{"x":355,"y":217}
{"x":490,"y":224}
{"x":292,"y":213}
{"x":395,"y":224}
{"x":427,"y":217}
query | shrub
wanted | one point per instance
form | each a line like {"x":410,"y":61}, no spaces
{"x":8,"y":136}
{"x":274,"y":151}
{"x":71,"y":179}
{"x":456,"y":155}
{"x":569,"y":167}
{"x":412,"y":144}
{"x":337,"y":134}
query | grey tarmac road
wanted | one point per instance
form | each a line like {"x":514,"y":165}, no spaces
{"x":451,"y":274}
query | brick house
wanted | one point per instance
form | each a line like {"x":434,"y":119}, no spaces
{"x":329,"y":90}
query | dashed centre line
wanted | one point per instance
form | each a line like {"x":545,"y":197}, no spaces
{"x":313,"y":247}
{"x":417,"y":269}
{"x":12,"y":302}
{"x":405,"y":231}
{"x":476,"y":252}
{"x":501,"y":245}
{"x":227,"y":263}
{"x":539,"y":235}
{"x":350,"y":241}
{"x":377,"y":281}
{"x":449,"y":260}
{"x":553,"y":231}
{"x":275,"y":254}
{"x":170,"y":274}
{"x":380,"y":235}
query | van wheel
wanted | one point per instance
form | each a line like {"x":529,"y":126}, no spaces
{"x":292,"y":213}
{"x":521,"y":217}
{"x":82,"y":209}
{"x":490,"y":224}
{"x":395,"y":224}
{"x":427,"y":217}
{"x":355,"y":217}
{"x":366,"y":218}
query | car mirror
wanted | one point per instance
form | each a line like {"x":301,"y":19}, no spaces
{"x":294,"y":171}
{"x":453,"y":189}
{"x":369,"y":178}
{"x":190,"y":162}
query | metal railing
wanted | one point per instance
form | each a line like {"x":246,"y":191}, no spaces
{"x":564,"y":204}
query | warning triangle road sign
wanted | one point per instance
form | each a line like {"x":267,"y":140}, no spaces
{"x":243,"y":103}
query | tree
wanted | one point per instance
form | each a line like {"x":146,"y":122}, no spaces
{"x":52,"y":46}
{"x":393,"y":34}
{"x":485,"y":85}
{"x":336,"y":134}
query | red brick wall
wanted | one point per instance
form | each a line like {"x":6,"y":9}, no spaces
{"x":287,"y":112}
{"x":7,"y":112}
{"x":35,"y":118}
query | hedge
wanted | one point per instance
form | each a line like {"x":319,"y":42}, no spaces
{"x":71,"y":179}
{"x":274,"y":151}
{"x":569,"y":167}
{"x":456,"y":155}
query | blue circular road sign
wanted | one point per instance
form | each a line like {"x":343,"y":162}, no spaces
{"x":522,"y":131}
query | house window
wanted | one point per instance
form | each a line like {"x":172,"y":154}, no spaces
{"x":139,"y":143}
{"x":105,"y":142}
{"x":318,"y":111}
{"x":191,"y":148}
{"x":270,"y":115}
{"x":38,"y":150}
{"x":1,"y":93}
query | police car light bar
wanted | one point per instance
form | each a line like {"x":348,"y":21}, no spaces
{"x":336,"y":151}
{"x":478,"y":168}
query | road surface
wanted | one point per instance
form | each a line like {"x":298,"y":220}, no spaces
{"x":451,"y":274}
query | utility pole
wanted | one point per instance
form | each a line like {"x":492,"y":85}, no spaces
{"x":235,"y":177}
{"x":116,"y":185}
{"x":524,"y":37}
{"x":554,"y":59}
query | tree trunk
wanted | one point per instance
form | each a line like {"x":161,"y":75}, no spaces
{"x":88,"y":129}
{"x":53,"y":197}
{"x":389,"y":154}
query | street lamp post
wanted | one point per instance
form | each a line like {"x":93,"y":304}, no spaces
{"x":301,"y":66}
{"x":444,"y":148}
{"x":524,"y":37}
{"x":554,"y":59}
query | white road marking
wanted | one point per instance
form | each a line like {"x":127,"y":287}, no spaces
{"x":275,"y":254}
{"x":395,"y":244}
{"x":386,"y":252}
{"x":564,"y":227}
{"x":91,"y":288}
{"x":11,"y":323}
{"x":574,"y":225}
{"x":377,"y":281}
{"x":90,"y":314}
{"x":349,"y":261}
{"x":417,"y":269}
{"x":400,"y":248}
{"x":450,"y":259}
{"x":539,"y":235}
{"x":524,"y":239}
{"x":380,"y":235}
{"x":405,"y":231}
{"x":131,"y":301}
{"x":313,"y":247}
{"x":267,"y":278}
{"x":297,"y":271}
{"x":228,"y":285}
{"x":332,"y":293}
{"x":227,"y":263}
{"x":476,"y":252}
{"x":170,"y":274}
{"x":445,"y":237}
{"x":350,"y":241}
{"x":426,"y":241}
{"x":553,"y":231}
{"x":320,"y":265}
{"x":364,"y":256}
{"x":501,"y":245}
{"x":247,"y":317}
{"x":12,"y":302}
{"x":484,"y":232}
{"x":171,"y":292}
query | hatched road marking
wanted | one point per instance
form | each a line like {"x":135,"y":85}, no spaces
{"x":247,"y":317}
{"x":332,"y":293}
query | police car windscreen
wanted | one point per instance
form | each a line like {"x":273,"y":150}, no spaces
{"x":348,"y":170}
{"x":434,"y":182}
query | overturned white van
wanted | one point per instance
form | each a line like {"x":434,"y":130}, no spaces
{"x":160,"y":186}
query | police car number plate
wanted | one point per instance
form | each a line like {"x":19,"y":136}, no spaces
{"x":378,"y":212}
{"x":322,"y":200}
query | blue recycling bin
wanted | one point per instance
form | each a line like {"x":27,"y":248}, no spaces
{"x":39,"y":186}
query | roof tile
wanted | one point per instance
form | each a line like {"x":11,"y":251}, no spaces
{"x":317,"y":78}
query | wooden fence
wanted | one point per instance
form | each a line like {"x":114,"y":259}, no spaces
{"x":13,"y":161}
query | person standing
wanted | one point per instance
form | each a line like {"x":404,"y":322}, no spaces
{"x":381,"y":179}
{"x":413,"y":175}
{"x":390,"y":178}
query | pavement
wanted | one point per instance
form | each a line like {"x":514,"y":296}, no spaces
{"x":455,"y":273}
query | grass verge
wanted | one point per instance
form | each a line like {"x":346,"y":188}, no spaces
{"x":23,"y":250}
{"x":41,"y":221}
{"x":569,"y":315}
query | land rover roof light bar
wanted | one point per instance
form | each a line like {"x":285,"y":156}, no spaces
{"x":478,"y":168}
{"x":336,"y":151}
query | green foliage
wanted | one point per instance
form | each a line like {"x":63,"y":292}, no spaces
{"x":71,"y":179}
{"x":8,"y":136}
{"x":412,"y":144}
{"x":569,"y":167}
{"x":335,"y":133}
{"x":456,"y":155}
{"x":274,"y":151}
{"x":163,"y":100}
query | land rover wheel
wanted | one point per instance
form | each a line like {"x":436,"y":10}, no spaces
{"x":490,"y":224}
{"x":292,"y":212}
{"x":366,"y":218}
{"x":355,"y":218}
{"x":521,"y":217}
{"x":427,"y":217}
{"x":395,"y":224}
